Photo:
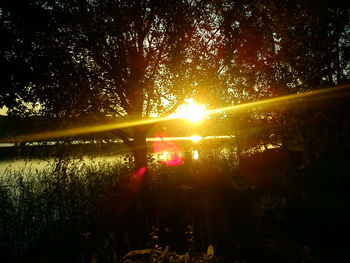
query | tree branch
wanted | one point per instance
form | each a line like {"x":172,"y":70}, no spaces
{"x":124,"y":136}
{"x":174,"y":107}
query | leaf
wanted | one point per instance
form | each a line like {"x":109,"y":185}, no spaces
{"x":187,"y":257}
{"x":210,"y":251}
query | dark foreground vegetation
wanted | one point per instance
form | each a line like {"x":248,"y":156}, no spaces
{"x":87,"y":214}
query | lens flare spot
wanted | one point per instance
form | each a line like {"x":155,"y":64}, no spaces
{"x":141,"y":171}
{"x":167,"y":152}
{"x":175,"y":160}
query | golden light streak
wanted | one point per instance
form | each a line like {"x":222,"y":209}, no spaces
{"x":316,"y":95}
{"x":321,"y":94}
{"x":83,"y":130}
{"x":194,"y":138}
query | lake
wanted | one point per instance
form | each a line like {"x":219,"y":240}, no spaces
{"x":37,"y":157}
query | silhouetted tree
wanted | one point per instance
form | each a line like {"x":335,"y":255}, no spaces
{"x":99,"y":58}
{"x":274,"y":48}
{"x":125,"y":58}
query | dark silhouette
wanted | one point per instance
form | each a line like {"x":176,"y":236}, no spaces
{"x":268,"y":167}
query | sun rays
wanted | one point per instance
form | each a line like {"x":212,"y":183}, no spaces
{"x":193,"y":112}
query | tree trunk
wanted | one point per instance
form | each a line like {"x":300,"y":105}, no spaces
{"x":139,"y":150}
{"x":139,"y":147}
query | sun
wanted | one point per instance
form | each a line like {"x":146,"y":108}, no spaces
{"x":190,"y":111}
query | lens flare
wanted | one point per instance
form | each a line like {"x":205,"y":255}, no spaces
{"x":164,"y":156}
{"x":168,"y":152}
{"x":141,"y":171}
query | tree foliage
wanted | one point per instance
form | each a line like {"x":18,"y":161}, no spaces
{"x":96,"y":57}
{"x":278,"y":47}
{"x":127,"y":57}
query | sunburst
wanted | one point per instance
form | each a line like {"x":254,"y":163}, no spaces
{"x":190,"y":111}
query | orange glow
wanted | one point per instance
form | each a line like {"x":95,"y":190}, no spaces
{"x":195,"y":113}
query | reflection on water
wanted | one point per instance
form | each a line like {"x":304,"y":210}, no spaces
{"x":24,"y":165}
{"x":193,"y":138}
{"x":30,"y":166}
{"x":195,"y":154}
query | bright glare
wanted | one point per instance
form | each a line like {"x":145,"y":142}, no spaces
{"x":306,"y":97}
{"x":196,"y":138}
{"x":165,"y":156}
{"x":190,"y":111}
